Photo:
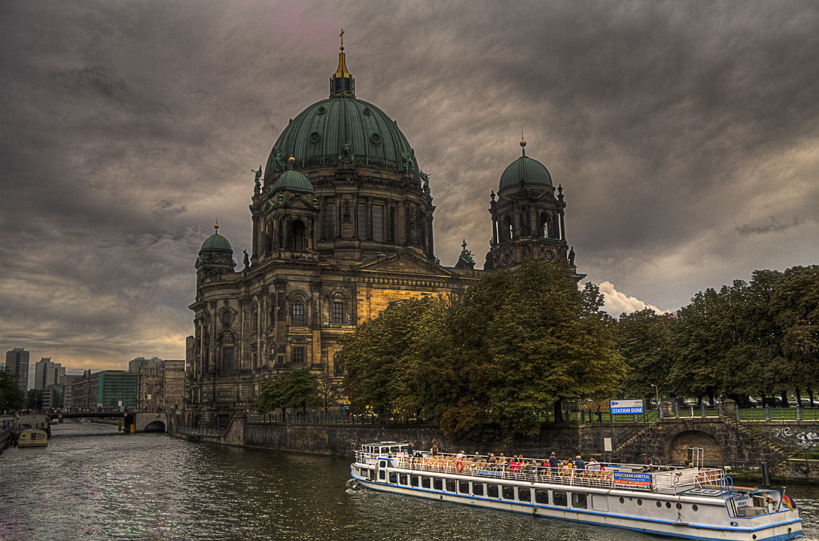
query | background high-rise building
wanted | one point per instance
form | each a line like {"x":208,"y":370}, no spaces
{"x":48,"y":373}
{"x":133,"y":366}
{"x":17,"y":363}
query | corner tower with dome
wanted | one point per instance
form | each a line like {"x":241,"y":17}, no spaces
{"x":342,"y":228}
{"x":527,"y":218}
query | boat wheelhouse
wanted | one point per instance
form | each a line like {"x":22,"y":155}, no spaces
{"x":33,"y":437}
{"x":686,"y":502}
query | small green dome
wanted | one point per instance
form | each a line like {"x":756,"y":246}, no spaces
{"x":216,"y":243}
{"x":531,"y":171}
{"x":293,"y":181}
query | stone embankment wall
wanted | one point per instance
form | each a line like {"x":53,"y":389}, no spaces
{"x":797,"y":471}
{"x":724,"y":443}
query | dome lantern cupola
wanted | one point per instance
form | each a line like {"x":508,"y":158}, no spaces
{"x":525,"y":170}
{"x":342,"y":83}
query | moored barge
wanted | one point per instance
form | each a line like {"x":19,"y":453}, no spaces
{"x":683,"y":502}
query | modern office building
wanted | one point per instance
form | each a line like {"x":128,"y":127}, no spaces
{"x":17,"y":363}
{"x":106,"y":389}
{"x":133,"y":366}
{"x":48,"y":373}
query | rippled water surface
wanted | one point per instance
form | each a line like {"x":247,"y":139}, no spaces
{"x":91,"y":483}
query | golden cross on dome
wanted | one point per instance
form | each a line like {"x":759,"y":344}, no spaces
{"x":342,"y":39}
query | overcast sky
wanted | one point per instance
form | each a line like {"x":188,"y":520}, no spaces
{"x":685,"y":135}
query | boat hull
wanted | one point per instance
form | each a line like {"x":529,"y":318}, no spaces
{"x":751,"y":529}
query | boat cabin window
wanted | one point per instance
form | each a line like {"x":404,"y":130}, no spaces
{"x":492,"y":491}
{"x":382,"y":475}
{"x":402,"y":479}
{"x":450,"y":485}
{"x":414,"y":480}
{"x":560,"y":498}
{"x":508,"y":493}
{"x":579,"y":500}
{"x":425,"y":483}
{"x":477,"y":489}
{"x":542,"y":496}
{"x":524,"y":494}
{"x":437,"y":483}
{"x":383,"y":464}
{"x":463,"y":487}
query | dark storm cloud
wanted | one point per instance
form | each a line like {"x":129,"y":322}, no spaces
{"x":772,"y":227}
{"x":676,"y":130}
{"x":98,"y":80}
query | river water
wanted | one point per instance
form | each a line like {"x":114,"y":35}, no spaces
{"x":91,"y":483}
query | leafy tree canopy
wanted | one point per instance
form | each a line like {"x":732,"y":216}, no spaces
{"x":294,"y":389}
{"x":11,"y":396}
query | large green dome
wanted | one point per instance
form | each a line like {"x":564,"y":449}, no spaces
{"x":342,"y":129}
{"x":531,"y":171}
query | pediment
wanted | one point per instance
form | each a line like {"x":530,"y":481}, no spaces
{"x":406,"y":262}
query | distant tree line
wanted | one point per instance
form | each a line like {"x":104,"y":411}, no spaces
{"x":759,"y":338}
{"x":517,"y":345}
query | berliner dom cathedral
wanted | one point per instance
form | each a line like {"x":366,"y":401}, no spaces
{"x":342,"y":221}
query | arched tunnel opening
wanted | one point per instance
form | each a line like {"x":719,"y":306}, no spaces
{"x":155,"y":426}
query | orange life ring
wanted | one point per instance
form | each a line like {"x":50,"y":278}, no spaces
{"x":459,"y":466}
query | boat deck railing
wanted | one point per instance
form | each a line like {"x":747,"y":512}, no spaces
{"x":669,"y":480}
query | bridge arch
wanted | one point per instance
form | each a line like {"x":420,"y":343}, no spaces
{"x":155,"y":426}
{"x":677,"y":447}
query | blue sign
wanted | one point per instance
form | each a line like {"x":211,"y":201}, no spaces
{"x":626,"y":406}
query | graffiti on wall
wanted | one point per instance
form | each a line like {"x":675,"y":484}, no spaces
{"x":804,"y":438}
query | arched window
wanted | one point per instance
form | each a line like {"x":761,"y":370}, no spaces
{"x":507,"y":232}
{"x":544,"y":225}
{"x":299,"y":237}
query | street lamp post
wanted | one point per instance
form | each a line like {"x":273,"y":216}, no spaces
{"x":657,"y":390}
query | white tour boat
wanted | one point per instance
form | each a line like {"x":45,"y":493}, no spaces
{"x":686,"y":502}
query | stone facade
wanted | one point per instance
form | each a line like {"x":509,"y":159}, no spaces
{"x":161,"y":385}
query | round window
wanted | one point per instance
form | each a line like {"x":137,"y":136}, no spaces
{"x":321,"y":110}
{"x":659,"y":504}
{"x":367,"y":111}
{"x":315,"y":137}
{"x":668,"y":504}
{"x":375,"y":139}
{"x":679,"y":506}
{"x":695,"y":507}
{"x":639,"y":501}
{"x":622,"y":500}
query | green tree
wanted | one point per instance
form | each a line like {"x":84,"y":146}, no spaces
{"x":491,"y":363}
{"x":749,"y":337}
{"x":294,"y":389}
{"x":34,"y":399}
{"x":642,"y":339}
{"x":11,"y":397}
{"x":384,"y":358}
{"x":696,"y":346}
{"x":541,"y":341}
{"x":327,"y":392}
{"x":794,"y":307}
